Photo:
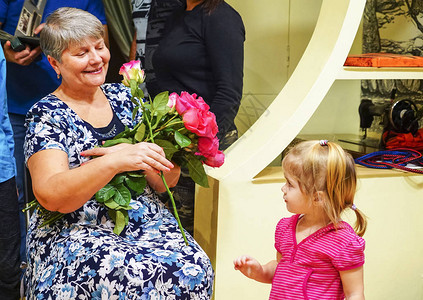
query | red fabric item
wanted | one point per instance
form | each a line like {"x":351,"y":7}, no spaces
{"x":393,"y":140}
{"x":383,"y":60}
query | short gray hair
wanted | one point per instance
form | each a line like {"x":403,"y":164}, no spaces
{"x":66,"y":26}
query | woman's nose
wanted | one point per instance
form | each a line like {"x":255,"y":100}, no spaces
{"x":95,"y":57}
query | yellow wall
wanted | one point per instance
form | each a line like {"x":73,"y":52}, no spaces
{"x":236,"y":217}
{"x":277,"y":33}
{"x":247,"y":213}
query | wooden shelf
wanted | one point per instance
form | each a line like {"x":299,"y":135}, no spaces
{"x":275,"y":174}
{"x":359,"y":73}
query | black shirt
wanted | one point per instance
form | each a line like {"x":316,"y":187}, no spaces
{"x":204,"y":54}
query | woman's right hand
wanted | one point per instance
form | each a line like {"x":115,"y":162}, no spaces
{"x":133,"y":157}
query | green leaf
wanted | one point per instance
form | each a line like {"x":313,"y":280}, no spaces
{"x":134,"y":86}
{"x":118,"y":179}
{"x":134,"y":100}
{"x":123,"y":134}
{"x":120,"y":219}
{"x":168,"y":148}
{"x":139,"y":135}
{"x":196,"y":171}
{"x":182,"y":140}
{"x":136,"y":184}
{"x":105,"y":193}
{"x":122,"y":195}
{"x":160,"y":103}
{"x":110,"y":143}
{"x":134,"y":112}
{"x":111,"y":203}
{"x":135,"y":174}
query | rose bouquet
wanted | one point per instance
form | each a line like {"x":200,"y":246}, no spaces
{"x":181,"y":124}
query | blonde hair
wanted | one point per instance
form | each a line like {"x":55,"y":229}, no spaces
{"x":329,"y":169}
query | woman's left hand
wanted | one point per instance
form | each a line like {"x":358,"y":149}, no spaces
{"x":132,"y":157}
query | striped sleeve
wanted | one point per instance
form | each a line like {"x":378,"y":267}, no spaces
{"x":281,"y":232}
{"x":351,"y":256}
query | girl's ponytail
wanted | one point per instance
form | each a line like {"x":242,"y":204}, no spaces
{"x":361,"y":222}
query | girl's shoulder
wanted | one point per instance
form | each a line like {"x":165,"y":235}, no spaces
{"x":286,"y":224}
{"x":339,"y":240}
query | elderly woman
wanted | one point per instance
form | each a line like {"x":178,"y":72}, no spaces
{"x":79,"y":256}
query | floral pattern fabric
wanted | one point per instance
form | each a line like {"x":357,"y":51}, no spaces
{"x":79,"y":256}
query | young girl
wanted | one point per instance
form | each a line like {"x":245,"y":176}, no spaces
{"x":318,"y":256}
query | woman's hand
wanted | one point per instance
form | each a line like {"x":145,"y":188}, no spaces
{"x":133,"y":157}
{"x":156,"y":182}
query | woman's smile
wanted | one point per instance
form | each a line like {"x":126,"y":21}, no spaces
{"x":84,"y":65}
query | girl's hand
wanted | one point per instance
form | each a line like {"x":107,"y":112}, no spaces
{"x":133,"y":157}
{"x":248,"y":266}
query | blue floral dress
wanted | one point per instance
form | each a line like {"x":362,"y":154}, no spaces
{"x":79,"y":257}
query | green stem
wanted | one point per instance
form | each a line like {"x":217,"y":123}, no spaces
{"x":167,"y":123}
{"x":175,"y":211}
{"x":167,"y":189}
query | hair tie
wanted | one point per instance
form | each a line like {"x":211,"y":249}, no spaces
{"x":323,"y":142}
{"x":353,"y":207}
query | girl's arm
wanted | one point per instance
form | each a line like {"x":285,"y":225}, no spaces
{"x":352,"y":281}
{"x":59,"y":188}
{"x":251,"y":268}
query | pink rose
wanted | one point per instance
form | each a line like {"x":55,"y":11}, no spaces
{"x":172,"y":100}
{"x":187,"y":101}
{"x":132,"y":70}
{"x":202,"y":123}
{"x":208,"y":147}
{"x":215,"y":161}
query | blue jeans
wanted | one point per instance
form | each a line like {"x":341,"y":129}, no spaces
{"x":9,"y":241}
{"x":19,"y":131}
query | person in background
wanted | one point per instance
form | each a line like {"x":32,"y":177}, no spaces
{"x":318,"y":256}
{"x":202,"y":52}
{"x":9,"y":211}
{"x":149,"y":17}
{"x":79,"y":255}
{"x":29,"y":78}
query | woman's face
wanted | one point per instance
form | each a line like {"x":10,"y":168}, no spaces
{"x":85,"y":64}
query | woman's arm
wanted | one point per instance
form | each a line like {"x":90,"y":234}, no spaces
{"x":225,"y":27}
{"x":251,"y":268}
{"x":59,"y":188}
{"x":352,"y":281}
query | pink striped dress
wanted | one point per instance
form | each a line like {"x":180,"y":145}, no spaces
{"x":310,"y":269}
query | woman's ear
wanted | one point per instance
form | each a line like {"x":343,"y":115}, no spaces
{"x":54,"y":63}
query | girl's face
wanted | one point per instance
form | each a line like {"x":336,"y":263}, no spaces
{"x":296,"y":201}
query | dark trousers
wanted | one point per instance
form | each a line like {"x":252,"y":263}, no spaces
{"x":18,"y":126}
{"x":9,"y":241}
{"x":184,"y":191}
